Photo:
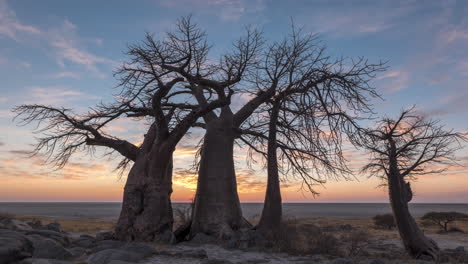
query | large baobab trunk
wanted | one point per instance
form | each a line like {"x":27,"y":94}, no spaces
{"x":146,"y":210}
{"x":272,"y":208}
{"x":414,"y":240}
{"x":217,"y":208}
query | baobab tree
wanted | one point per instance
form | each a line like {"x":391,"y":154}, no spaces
{"x":217,"y":208}
{"x":289,"y":65}
{"x":402,"y":149}
{"x":295,"y":64}
{"x":152,"y":89}
{"x":316,"y":101}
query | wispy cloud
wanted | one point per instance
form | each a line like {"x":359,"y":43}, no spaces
{"x":226,"y":10}
{"x":393,"y":81}
{"x":67,"y":46}
{"x":10,"y":26}
{"x":64,"y":74}
{"x":21,"y":165}
{"x":67,"y":49}
{"x":353,"y":19}
{"x":450,"y":104}
{"x":55,"y":95}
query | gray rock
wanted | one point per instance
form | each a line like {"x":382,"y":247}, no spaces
{"x":15,"y":224}
{"x":202,"y":238}
{"x":377,"y":261}
{"x":186,"y":253}
{"x":14,"y":246}
{"x":107,"y":244}
{"x":62,"y":238}
{"x":36,"y":224}
{"x":216,"y":261}
{"x":48,"y":248}
{"x":195,"y":253}
{"x":44,"y":261}
{"x":87,"y":236}
{"x":458,"y":254}
{"x":120,"y":262}
{"x":342,"y":261}
{"x":105,"y":235}
{"x":54,"y":227}
{"x":77,"y":251}
{"x":84,"y":242}
{"x":460,"y":250}
{"x":142,"y":249}
{"x":108,"y":255}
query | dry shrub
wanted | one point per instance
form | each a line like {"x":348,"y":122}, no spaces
{"x":443,"y":219}
{"x":356,"y":242}
{"x":182,"y":216}
{"x":295,"y":238}
{"x":386,"y":221}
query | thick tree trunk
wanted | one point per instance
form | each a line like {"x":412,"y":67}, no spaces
{"x":146,"y":210}
{"x":217,"y":208}
{"x":272,"y":208}
{"x":414,"y":240}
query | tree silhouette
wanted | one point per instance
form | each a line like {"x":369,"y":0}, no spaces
{"x":295,"y":70}
{"x":401,"y":149}
{"x":152,"y":89}
{"x":316,"y":100}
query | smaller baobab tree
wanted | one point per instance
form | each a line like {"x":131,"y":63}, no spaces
{"x":402,"y":149}
{"x":316,"y":101}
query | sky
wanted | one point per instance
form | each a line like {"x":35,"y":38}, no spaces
{"x":63,"y":53}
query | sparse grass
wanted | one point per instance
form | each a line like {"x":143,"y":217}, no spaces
{"x":304,"y":239}
{"x":88,"y":226}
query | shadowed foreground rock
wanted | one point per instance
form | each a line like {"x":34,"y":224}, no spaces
{"x":41,"y":246}
{"x":14,"y":246}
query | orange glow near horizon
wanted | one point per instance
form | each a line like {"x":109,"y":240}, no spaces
{"x":110,"y":189}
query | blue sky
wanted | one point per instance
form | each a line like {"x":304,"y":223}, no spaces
{"x":64,"y":52}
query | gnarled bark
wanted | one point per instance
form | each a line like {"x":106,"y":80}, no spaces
{"x":146,"y":209}
{"x":414,"y":240}
{"x":217,"y":208}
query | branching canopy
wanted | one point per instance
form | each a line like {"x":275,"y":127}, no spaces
{"x":169,"y":82}
{"x":319,"y":99}
{"x":417,"y":144}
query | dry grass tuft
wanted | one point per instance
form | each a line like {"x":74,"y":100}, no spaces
{"x":356,"y":242}
{"x":87,"y":226}
{"x":303,"y":239}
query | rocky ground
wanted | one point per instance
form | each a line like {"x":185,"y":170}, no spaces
{"x":32,"y":242}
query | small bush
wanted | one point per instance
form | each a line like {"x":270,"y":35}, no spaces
{"x":296,"y":238}
{"x":443,"y":219}
{"x":356,"y":242}
{"x":183,"y":215}
{"x":386,"y":221}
